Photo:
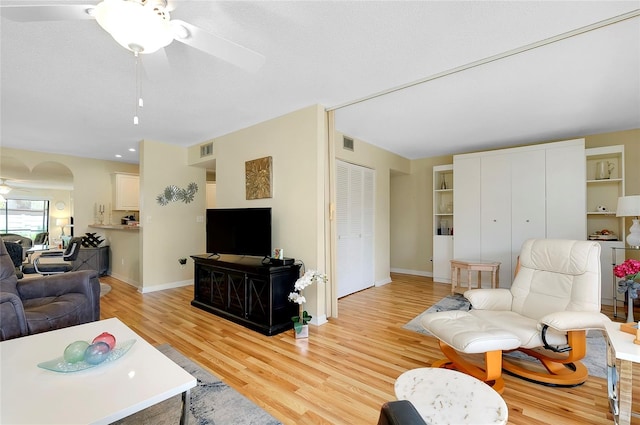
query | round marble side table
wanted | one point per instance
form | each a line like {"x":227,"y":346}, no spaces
{"x":444,"y":396}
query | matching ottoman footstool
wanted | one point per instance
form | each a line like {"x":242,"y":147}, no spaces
{"x":461,"y":332}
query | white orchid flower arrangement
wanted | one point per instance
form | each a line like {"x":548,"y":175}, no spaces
{"x":308,"y":278}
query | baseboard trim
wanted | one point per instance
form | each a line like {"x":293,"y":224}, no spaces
{"x":125,"y":279}
{"x":382,"y":282}
{"x":318,"y":321}
{"x":170,"y":285}
{"x":412,"y":272}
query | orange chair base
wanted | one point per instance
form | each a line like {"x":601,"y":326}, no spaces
{"x":491,"y":374}
{"x":562,"y":370}
{"x":559,"y":370}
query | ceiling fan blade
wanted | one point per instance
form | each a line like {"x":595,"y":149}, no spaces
{"x":156,"y":65}
{"x":217,"y":46}
{"x":57,"y":12}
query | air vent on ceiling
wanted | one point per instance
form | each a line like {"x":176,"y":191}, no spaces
{"x":206,"y":150}
{"x":347,"y":143}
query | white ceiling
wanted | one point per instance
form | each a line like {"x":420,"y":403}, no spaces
{"x":68,"y":87}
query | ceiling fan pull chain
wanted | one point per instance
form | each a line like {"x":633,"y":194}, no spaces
{"x":138,"y":88}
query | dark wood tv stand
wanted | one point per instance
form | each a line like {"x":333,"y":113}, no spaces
{"x":246,"y":291}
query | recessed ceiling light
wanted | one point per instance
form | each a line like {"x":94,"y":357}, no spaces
{"x":118,"y":156}
{"x":132,"y":150}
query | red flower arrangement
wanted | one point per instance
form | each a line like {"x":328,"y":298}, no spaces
{"x":630,"y":269}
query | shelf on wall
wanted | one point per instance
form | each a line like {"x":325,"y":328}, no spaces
{"x":114,"y":226}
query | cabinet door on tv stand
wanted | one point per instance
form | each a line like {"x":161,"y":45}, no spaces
{"x":211,"y":287}
{"x":282,"y":283}
{"x":236,"y":286}
{"x":202,"y":282}
{"x":219,"y":290}
{"x":259,"y":299}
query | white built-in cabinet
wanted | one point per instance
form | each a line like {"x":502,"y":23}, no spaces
{"x":507,"y":196}
{"x":126,"y":193}
{"x":442,"y":222}
{"x":355,"y":228}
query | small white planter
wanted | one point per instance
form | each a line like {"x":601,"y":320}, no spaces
{"x":304,"y":332}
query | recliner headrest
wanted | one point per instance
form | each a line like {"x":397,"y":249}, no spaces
{"x":557,"y":255}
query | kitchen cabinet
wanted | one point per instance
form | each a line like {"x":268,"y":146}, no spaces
{"x":126,"y":191}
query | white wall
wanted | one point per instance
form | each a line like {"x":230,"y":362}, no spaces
{"x":173,"y":231}
{"x":297,"y":144}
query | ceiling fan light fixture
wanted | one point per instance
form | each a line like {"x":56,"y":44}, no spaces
{"x":134,"y":26}
{"x":4,"y":189}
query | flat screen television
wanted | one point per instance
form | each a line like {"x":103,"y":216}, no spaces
{"x":239,"y":231}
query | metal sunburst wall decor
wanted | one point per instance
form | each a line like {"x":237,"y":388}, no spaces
{"x":174,"y":194}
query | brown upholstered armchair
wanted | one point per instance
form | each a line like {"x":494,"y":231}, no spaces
{"x":44,"y":303}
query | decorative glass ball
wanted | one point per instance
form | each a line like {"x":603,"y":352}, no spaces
{"x":74,"y":352}
{"x":106,"y":337}
{"x":96,"y":353}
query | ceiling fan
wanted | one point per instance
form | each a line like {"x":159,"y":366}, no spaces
{"x":141,"y":26}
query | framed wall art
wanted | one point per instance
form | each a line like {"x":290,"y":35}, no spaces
{"x":258,"y":178}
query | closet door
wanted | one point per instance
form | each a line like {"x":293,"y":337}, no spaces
{"x":495,"y":212}
{"x":528,"y":218}
{"x":566,"y":196}
{"x":367,"y":244}
{"x":354,"y":215}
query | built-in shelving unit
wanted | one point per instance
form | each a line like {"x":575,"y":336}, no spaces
{"x":442,"y":222}
{"x":603,"y":190}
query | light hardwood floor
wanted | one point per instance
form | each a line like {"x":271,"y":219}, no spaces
{"x":346,"y":369}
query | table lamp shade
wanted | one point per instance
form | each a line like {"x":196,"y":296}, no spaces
{"x":629,"y":206}
{"x":62,"y":222}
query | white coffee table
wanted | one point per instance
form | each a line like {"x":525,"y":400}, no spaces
{"x":100,"y":395}
{"x":444,"y":396}
{"x":621,"y":354}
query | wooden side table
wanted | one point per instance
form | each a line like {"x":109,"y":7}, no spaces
{"x":621,"y":354}
{"x":478,"y":266}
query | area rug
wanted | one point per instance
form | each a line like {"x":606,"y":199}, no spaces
{"x":595,"y":360}
{"x":450,"y":302}
{"x":212,"y":402}
{"x":104,"y":289}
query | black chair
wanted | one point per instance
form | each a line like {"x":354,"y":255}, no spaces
{"x":41,"y":238}
{"x":69,"y":255}
{"x":16,"y":253}
{"x":400,"y":412}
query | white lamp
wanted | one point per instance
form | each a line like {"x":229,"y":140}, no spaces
{"x":62,"y":222}
{"x":629,"y":206}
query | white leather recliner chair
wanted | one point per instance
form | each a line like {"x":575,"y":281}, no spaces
{"x":553,"y":301}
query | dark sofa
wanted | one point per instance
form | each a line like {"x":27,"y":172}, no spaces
{"x":45,"y":303}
